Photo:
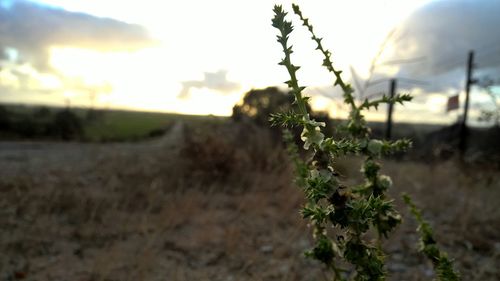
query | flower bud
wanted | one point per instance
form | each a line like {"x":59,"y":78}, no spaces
{"x":384,"y":182}
{"x":375,"y":147}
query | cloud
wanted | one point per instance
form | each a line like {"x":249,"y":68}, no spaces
{"x":212,"y":80}
{"x":28,"y":31}
{"x":437,"y":39}
{"x":31,"y":29}
{"x":443,"y":32}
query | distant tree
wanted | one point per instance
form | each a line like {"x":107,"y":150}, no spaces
{"x":42,"y":112}
{"x":66,"y":125}
{"x":5,"y":122}
{"x":27,"y":127}
{"x":258,"y":104}
{"x":94,"y":115}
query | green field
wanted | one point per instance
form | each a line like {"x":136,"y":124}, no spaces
{"x":127,"y":125}
{"x":97,"y":125}
{"x":133,"y":125}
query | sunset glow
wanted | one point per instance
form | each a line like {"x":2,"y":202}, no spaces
{"x":197,"y":57}
{"x":190,"y":42}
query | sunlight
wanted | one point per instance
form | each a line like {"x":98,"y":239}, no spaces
{"x":320,"y":103}
{"x":135,"y":79}
{"x":8,"y":79}
{"x":183,"y":59}
{"x":205,"y":101}
{"x":92,"y":66}
{"x":436,"y":103}
{"x":138,"y":80}
{"x":48,"y":82}
{"x":194,"y":42}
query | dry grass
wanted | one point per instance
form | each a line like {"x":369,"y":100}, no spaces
{"x":210,"y":202}
{"x":459,"y":201}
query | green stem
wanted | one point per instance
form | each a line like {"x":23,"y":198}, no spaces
{"x":297,"y":91}
{"x":336,"y":271}
{"x":327,"y":63}
{"x":285,"y":29}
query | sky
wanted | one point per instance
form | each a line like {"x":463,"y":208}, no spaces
{"x":200,"y":57}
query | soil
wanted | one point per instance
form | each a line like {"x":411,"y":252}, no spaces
{"x":134,"y":211}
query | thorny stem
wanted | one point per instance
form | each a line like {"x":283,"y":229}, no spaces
{"x":350,"y":211}
{"x":346,"y":88}
{"x":428,"y":246}
{"x":336,"y":271}
{"x":285,"y":29}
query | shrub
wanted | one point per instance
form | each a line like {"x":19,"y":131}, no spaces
{"x":42,"y":112}
{"x":341,"y":216}
{"x":209,"y":156}
{"x":66,"y":125}
{"x":27,"y":127}
{"x":5,"y":122}
{"x":216,"y":153}
{"x":94,"y":115}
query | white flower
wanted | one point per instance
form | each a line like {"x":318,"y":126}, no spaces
{"x":311,"y":137}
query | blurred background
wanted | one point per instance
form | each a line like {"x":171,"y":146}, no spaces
{"x":134,"y":141}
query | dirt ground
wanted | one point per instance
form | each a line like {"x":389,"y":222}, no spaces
{"x":188,"y":206}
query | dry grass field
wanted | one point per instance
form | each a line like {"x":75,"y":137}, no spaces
{"x":212,"y":202}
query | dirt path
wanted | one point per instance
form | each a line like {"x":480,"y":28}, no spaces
{"x":131,"y":211}
{"x":72,"y":211}
{"x":41,"y":158}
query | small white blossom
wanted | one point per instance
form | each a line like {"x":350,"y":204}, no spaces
{"x":311,"y":137}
